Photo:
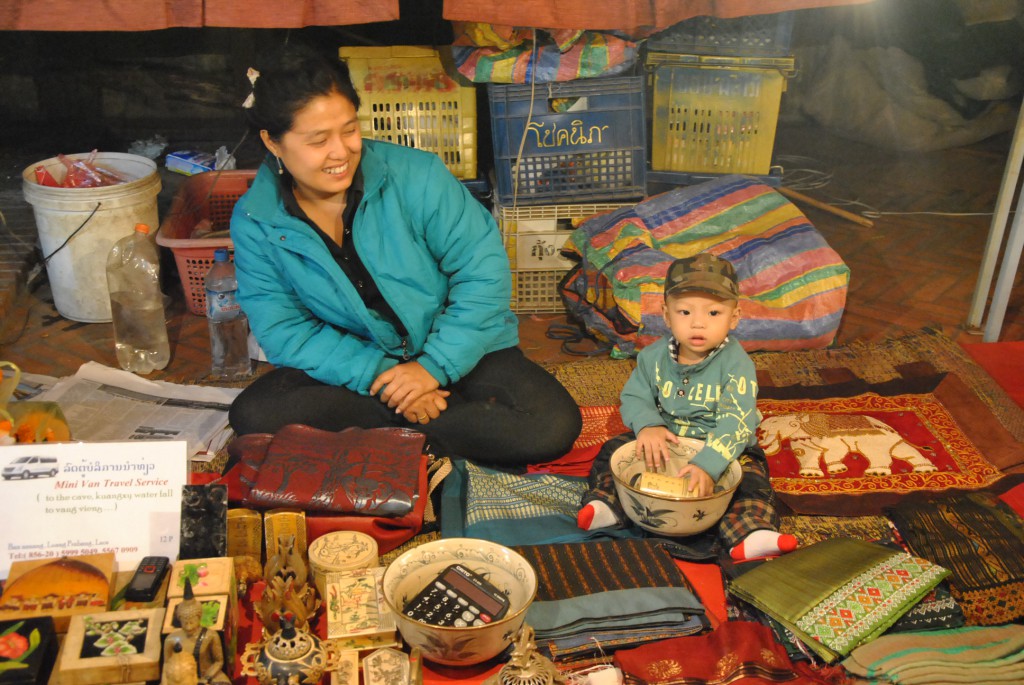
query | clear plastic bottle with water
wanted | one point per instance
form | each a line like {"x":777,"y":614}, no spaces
{"x":137,"y":304}
{"x":229,"y":326}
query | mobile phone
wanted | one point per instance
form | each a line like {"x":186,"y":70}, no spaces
{"x":458,"y":597}
{"x":146,"y":580}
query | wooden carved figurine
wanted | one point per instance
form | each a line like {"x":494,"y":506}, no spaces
{"x":179,"y":668}
{"x":282,"y":597}
{"x":203,"y":644}
{"x":286,"y":562}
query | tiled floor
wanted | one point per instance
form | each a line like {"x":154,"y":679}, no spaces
{"x":915,"y":267}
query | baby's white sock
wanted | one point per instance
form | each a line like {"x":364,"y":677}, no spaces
{"x":596,"y":515}
{"x":763,"y":543}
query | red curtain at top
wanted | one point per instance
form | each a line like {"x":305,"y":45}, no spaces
{"x":150,"y":15}
{"x":295,"y":13}
{"x":98,"y":15}
{"x":629,"y":16}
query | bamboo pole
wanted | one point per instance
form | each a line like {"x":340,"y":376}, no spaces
{"x":842,"y":213}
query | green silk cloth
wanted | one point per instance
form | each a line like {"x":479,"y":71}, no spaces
{"x":839,"y":593}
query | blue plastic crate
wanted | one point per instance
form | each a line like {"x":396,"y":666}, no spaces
{"x":569,"y":142}
{"x":765,"y":35}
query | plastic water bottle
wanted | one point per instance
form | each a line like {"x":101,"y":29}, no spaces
{"x":229,"y":326}
{"x":136,"y":303}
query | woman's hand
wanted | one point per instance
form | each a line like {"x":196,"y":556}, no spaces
{"x":427,"y":408}
{"x":652,"y":443}
{"x":402,"y":385}
{"x":701,"y":484}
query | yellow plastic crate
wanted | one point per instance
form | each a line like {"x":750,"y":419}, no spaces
{"x":533,"y":236}
{"x":409,"y":99}
{"x":714,"y":114}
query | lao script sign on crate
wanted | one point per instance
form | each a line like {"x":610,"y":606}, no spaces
{"x":569,"y":141}
{"x":533,"y":237}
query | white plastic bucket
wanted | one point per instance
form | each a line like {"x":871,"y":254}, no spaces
{"x":89,"y":221}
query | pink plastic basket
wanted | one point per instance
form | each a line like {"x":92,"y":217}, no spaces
{"x":208,"y":196}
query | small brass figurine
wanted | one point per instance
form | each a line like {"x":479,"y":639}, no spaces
{"x":526,"y":666}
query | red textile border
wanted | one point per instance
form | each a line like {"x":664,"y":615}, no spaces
{"x":623,"y":16}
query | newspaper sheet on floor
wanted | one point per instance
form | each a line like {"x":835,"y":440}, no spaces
{"x":104,"y":404}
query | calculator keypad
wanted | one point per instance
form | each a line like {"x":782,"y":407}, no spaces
{"x":440,"y":604}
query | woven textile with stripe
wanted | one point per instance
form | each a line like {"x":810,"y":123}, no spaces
{"x":979,"y":539}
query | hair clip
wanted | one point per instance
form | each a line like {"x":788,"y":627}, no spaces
{"x":252,"y":75}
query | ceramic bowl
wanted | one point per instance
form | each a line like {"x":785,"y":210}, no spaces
{"x":666,"y":514}
{"x":416,"y":568}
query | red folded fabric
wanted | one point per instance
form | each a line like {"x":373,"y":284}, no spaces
{"x":368,"y":480}
{"x":1014,"y":498}
{"x":735,"y":652}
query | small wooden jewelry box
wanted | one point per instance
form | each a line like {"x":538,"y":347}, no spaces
{"x":208,"y":576}
{"x":28,"y":648}
{"x":112,"y":647}
{"x":347,"y":672}
{"x":215,"y":610}
{"x":339,"y":551}
{"x":385,"y":666}
{"x":354,"y":605}
{"x":660,"y":484}
{"x":245,"y":533}
{"x":60,"y":587}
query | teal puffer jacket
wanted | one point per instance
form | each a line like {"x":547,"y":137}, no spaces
{"x":434,"y":251}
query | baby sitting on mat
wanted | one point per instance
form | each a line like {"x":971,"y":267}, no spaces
{"x":698,"y":383}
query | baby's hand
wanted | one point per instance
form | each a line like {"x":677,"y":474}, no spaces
{"x":700,"y":482}
{"x":652,"y":443}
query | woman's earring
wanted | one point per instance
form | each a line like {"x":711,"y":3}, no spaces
{"x":280,"y":167}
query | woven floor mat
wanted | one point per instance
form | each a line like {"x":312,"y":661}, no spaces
{"x":599,"y":381}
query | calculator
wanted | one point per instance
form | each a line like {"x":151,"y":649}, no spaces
{"x":458,"y":597}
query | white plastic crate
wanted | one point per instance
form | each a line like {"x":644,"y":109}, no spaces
{"x":533,"y":237}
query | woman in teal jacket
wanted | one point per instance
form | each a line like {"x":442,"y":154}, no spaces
{"x":378,"y":286}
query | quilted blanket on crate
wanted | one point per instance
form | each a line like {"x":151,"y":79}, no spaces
{"x":792,"y":284}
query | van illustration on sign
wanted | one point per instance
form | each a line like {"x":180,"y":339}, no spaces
{"x":31,"y":467}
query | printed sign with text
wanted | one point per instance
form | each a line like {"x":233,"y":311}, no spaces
{"x":67,"y":499}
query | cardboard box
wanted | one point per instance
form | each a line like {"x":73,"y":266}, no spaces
{"x":60,"y":588}
{"x":112,"y":647}
{"x":190,"y":162}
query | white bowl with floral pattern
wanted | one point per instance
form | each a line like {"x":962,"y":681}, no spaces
{"x":416,"y":568}
{"x":673,"y":515}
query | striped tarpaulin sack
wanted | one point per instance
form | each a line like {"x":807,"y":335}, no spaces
{"x":792,"y":284}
